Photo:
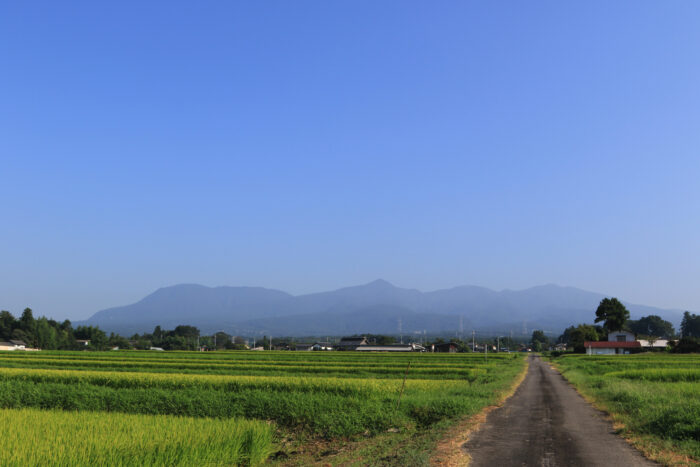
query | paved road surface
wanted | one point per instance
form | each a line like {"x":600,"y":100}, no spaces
{"x":546,"y":423}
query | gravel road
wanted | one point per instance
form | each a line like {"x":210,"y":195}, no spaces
{"x":547,"y":423}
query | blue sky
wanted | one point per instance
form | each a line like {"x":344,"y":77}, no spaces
{"x":312,"y":145}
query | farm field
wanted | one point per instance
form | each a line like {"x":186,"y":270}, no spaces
{"x":232,"y":408}
{"x":654,"y":397}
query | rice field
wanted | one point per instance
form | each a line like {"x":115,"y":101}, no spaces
{"x":655,"y":397}
{"x":230,"y":408}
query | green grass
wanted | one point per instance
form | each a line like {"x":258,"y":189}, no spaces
{"x":655,"y":396}
{"x":326,"y":396}
{"x":36,"y":437}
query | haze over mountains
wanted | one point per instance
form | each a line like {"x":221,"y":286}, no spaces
{"x":376,"y":307}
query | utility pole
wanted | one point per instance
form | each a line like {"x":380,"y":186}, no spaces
{"x":270,"y":342}
{"x":400,"y":330}
{"x":498,"y":344}
{"x":473,"y":346}
{"x":486,"y":351}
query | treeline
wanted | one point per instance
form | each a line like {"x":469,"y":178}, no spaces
{"x":615,"y":317}
{"x":48,"y":334}
{"x":185,"y":337}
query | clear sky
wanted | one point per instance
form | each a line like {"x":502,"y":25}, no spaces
{"x":309,"y":145}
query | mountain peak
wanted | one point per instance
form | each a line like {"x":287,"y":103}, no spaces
{"x":380,"y":283}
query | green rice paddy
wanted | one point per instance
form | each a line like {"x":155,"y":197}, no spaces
{"x":656,"y":397}
{"x":233,"y":408}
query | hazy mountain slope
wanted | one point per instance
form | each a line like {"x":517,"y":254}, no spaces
{"x":373,"y":307}
{"x":216,"y":307}
{"x":378,"y":319}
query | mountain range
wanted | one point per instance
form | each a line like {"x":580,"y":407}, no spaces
{"x":377,"y":307}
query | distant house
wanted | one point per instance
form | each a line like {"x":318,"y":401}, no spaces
{"x":447,"y":347}
{"x":351,"y":343}
{"x":304,"y":347}
{"x":656,"y":344}
{"x":610,"y":347}
{"x":13,"y":345}
{"x":160,"y":349}
{"x":621,"y":336}
{"x":391,"y":348}
{"x":561,"y":347}
{"x":84,"y":342}
{"x":318,"y":346}
{"x":619,"y":342}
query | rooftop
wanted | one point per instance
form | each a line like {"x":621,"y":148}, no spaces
{"x":612,"y":345}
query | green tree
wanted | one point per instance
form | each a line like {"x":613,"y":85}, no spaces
{"x":115,"y":340}
{"x":687,"y":345}
{"x":96,"y":336}
{"x":7,"y":324}
{"x":539,"y":340}
{"x":45,"y":335}
{"x":612,"y":313}
{"x":652,"y":325}
{"x":186,"y":331}
{"x":27,"y":324}
{"x":690,"y":326}
{"x":581,"y":334}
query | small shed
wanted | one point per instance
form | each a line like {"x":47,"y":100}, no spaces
{"x":319,"y":346}
{"x":610,"y":347}
{"x":351,"y":343}
{"x":621,"y":336}
{"x":4,"y":345}
{"x":303,"y":347}
{"x":391,"y":348}
{"x":446,"y":347}
{"x":655,"y":344}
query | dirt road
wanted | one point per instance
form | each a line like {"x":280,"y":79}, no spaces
{"x":546,"y":423}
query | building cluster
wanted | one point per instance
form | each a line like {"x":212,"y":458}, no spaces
{"x":362,"y":344}
{"x":622,"y":342}
{"x":14,"y":345}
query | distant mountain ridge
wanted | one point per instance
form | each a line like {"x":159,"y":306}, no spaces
{"x":375,"y":307}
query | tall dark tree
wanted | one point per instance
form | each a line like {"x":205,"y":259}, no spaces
{"x":690,"y":326}
{"x":26,"y":321}
{"x":612,"y":313}
{"x":652,"y":325}
{"x":539,"y":340}
{"x":7,"y":324}
{"x":581,"y":334}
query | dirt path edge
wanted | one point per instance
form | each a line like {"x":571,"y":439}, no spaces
{"x":449,"y":452}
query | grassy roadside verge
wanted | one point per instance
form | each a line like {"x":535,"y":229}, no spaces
{"x":653,"y":400}
{"x":448,"y":451}
{"x":433,"y":443}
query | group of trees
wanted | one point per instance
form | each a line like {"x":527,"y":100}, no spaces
{"x":48,"y":334}
{"x":690,"y":326}
{"x":615,"y":317}
{"x":539,"y":341}
{"x":185,"y":337}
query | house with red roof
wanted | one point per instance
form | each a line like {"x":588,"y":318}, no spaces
{"x":619,"y":342}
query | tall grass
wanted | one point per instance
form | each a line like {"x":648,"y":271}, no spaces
{"x":281,"y":363}
{"x":320,"y":405}
{"x":656,"y":397}
{"x":34,"y":437}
